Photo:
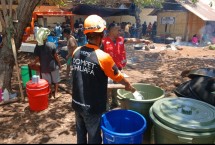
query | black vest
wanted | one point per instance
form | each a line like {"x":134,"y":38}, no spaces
{"x":89,"y":82}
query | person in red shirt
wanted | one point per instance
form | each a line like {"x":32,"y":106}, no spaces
{"x":114,"y":44}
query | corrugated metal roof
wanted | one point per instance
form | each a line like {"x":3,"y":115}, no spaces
{"x":172,"y":5}
{"x":51,"y":11}
{"x":168,"y":5}
{"x":202,"y":9}
{"x":47,"y":9}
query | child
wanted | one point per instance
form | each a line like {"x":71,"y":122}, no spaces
{"x":195,"y":40}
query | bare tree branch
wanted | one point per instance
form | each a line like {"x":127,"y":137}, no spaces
{"x":2,"y":20}
{"x":24,"y":13}
{"x":10,"y":8}
{"x":4,"y":8}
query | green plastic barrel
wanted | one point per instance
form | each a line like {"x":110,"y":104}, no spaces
{"x":25,"y":74}
{"x":183,"y":121}
{"x":150,"y":93}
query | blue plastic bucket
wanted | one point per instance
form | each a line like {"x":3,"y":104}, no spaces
{"x":123,"y":127}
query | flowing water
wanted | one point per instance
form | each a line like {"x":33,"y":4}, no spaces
{"x":144,"y":95}
{"x":138,"y":96}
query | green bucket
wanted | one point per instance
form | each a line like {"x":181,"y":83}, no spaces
{"x":150,"y":93}
{"x":183,"y":121}
{"x":25,"y":74}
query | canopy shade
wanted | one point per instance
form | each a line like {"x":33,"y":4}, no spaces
{"x":84,"y":9}
{"x":50,"y":11}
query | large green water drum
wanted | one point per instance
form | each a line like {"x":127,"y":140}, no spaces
{"x":150,"y":93}
{"x":183,"y":121}
{"x":25,"y":74}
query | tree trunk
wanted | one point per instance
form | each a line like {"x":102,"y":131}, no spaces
{"x":6,"y":67}
{"x":23,"y":15}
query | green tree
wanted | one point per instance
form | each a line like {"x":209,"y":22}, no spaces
{"x":14,"y":22}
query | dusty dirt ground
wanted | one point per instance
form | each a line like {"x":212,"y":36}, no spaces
{"x":159,"y":66}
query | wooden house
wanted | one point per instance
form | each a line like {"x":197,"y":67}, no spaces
{"x":184,"y":19}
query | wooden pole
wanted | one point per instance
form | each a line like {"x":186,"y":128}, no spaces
{"x":9,"y":101}
{"x":17,"y":68}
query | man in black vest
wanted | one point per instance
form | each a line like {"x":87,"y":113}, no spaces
{"x":91,"y":69}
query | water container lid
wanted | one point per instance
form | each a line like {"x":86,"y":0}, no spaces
{"x":42,"y":83}
{"x":185,"y":114}
{"x":24,"y":67}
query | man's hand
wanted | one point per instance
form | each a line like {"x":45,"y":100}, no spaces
{"x":124,"y":61}
{"x":67,"y":57}
{"x":146,"y":41}
{"x":64,"y":42}
{"x":130,"y":88}
{"x":32,"y":62}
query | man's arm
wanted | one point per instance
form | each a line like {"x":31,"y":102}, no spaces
{"x":36,"y":55}
{"x":136,"y":40}
{"x":33,"y":63}
{"x":64,"y":42}
{"x":36,"y":60}
{"x":70,"y":51}
{"x":57,"y":59}
{"x":71,"y":47}
{"x":111,"y":70}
